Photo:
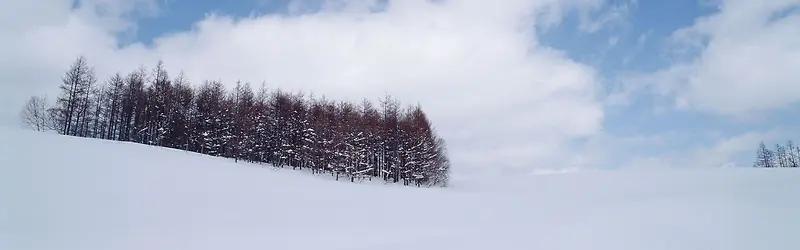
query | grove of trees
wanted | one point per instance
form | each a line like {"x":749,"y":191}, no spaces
{"x":783,"y":156}
{"x":343,"y":139}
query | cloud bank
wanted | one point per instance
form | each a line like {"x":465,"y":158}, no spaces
{"x":739,"y":62}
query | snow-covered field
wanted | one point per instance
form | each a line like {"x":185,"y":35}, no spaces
{"x":60,"y":192}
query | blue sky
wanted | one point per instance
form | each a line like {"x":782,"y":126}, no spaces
{"x":654,"y":104}
{"x":180,"y":15}
{"x":639,"y":44}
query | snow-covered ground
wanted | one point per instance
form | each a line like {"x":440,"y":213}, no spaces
{"x":60,"y":192}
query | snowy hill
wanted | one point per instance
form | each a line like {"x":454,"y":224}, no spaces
{"x":59,"y":192}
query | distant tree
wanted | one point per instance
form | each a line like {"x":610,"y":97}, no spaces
{"x":441,"y":167}
{"x":212,"y":126}
{"x":132,"y":119}
{"x":328,"y":136}
{"x":244,"y":125}
{"x":160,"y":102}
{"x":35,"y":116}
{"x":344,"y":139}
{"x":179,"y":132}
{"x":781,"y":156}
{"x":371,"y":127}
{"x":280,"y":105}
{"x":307,"y":134}
{"x":86,"y":106}
{"x":765,"y":158}
{"x":391,"y":138}
{"x":262,"y":132}
{"x":98,"y":115}
{"x":73,"y":100}
{"x":317,"y":134}
{"x":793,"y":157}
{"x":113,"y":101}
{"x":297,"y":130}
{"x":277,"y":127}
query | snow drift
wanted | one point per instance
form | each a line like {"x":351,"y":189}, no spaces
{"x":59,"y":192}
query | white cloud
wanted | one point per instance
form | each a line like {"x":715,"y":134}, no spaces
{"x":743,"y":60}
{"x":492,"y":91}
{"x":677,"y":149}
{"x":614,"y":15}
{"x":726,"y":148}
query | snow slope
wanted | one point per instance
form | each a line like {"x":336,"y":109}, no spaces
{"x":60,"y":192}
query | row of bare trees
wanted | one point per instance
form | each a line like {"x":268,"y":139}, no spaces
{"x":783,"y":156}
{"x":343,"y":139}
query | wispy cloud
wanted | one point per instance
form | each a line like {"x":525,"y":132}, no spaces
{"x":605,"y":15}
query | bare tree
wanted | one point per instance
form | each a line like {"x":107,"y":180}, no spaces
{"x":276,"y":127}
{"x":781,"y":156}
{"x":441,"y":175}
{"x":795,"y":154}
{"x":114,"y":97}
{"x":35,"y":116}
{"x":765,"y":158}
{"x":791,"y":154}
{"x":74,"y":93}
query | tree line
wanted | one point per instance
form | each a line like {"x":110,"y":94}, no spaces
{"x":340,"y":138}
{"x":782,"y":156}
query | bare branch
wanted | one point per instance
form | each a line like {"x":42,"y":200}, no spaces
{"x":35,"y":115}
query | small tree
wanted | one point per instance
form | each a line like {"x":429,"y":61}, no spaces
{"x":781,"y":156}
{"x":764,"y":157}
{"x":35,"y":116}
{"x":792,"y":154}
